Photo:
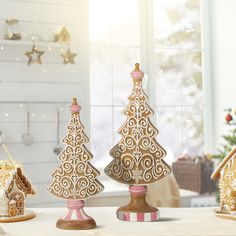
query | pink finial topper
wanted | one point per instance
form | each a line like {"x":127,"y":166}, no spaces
{"x":137,"y":73}
{"x":75,"y":107}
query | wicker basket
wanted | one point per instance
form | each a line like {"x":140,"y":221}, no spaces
{"x":194,"y":176}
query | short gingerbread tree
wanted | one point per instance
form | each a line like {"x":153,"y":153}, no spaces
{"x":75,"y":178}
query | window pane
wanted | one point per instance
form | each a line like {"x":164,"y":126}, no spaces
{"x":100,"y":75}
{"x":168,"y":71}
{"x":177,"y":23}
{"x":119,"y":120}
{"x":170,"y":130}
{"x":192,"y":130}
{"x":178,"y":77}
{"x":101,"y":134}
{"x":100,"y":21}
{"x":125,"y":22}
{"x":123,"y":61}
{"x":192,"y":93}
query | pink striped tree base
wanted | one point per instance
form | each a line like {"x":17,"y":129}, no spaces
{"x":76,"y":218}
{"x":138,"y":216}
{"x":138,"y":210}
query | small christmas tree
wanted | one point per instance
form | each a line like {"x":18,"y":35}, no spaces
{"x":230,"y":138}
{"x":137,"y":158}
{"x":229,"y":143}
{"x":75,"y":179}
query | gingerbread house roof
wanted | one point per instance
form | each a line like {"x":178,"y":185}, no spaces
{"x":216,"y":174}
{"x":13,"y":171}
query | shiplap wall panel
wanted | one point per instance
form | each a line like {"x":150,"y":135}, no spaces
{"x":39,"y":113}
{"x":39,"y":92}
{"x":46,"y":73}
{"x":16,"y":112}
{"x":38,"y":12}
{"x":42,"y":132}
{"x":72,"y":3}
{"x":40,"y":172}
{"x":41,"y":89}
{"x":26,"y":154}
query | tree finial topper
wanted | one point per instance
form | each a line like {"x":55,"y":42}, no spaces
{"x":137,"y":74}
{"x":75,"y":107}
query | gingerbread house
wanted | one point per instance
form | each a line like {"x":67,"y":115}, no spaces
{"x":63,"y":36}
{"x":14,"y":188}
{"x":226,"y":174}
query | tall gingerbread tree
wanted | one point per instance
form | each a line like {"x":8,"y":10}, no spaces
{"x":75,"y":179}
{"x":138,"y":157}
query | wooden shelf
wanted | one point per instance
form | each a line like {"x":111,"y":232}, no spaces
{"x":37,"y":43}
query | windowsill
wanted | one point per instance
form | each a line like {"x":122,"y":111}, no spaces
{"x":114,"y":189}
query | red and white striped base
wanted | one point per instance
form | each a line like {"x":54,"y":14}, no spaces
{"x":138,"y":216}
{"x":138,"y":210}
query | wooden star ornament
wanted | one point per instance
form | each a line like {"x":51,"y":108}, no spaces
{"x":34,"y":56}
{"x":68,"y":57}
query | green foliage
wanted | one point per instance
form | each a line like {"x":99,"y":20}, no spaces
{"x":229,"y":142}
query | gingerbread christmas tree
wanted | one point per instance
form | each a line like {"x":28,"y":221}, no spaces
{"x":138,"y":157}
{"x":75,"y":179}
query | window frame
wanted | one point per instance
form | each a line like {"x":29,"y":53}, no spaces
{"x":147,"y":56}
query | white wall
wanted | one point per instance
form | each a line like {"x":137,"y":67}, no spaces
{"x":223,"y":61}
{"x":42,"y":89}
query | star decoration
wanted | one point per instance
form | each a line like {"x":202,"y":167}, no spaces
{"x":31,"y":54}
{"x":68,"y":57}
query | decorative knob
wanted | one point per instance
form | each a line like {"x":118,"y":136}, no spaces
{"x":75,"y":107}
{"x":137,"y":74}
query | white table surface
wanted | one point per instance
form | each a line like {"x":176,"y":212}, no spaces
{"x":173,"y":222}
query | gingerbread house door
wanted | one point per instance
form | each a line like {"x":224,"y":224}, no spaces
{"x":12,"y":210}
{"x":20,"y":201}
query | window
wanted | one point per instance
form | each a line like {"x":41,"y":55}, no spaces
{"x":120,"y":35}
